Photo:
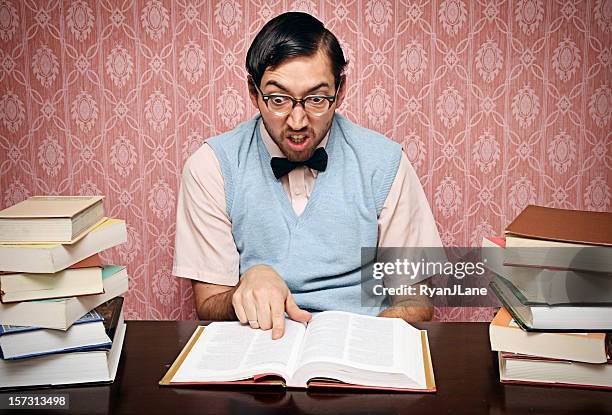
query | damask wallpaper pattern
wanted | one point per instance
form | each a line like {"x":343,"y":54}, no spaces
{"x":497,"y":104}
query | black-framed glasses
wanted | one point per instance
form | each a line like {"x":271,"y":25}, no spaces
{"x":283,"y":104}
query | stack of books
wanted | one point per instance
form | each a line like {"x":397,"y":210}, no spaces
{"x":61,"y":319}
{"x":553,"y":275}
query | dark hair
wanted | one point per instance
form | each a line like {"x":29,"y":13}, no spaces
{"x":290,"y":35}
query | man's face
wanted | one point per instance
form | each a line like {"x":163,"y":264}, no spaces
{"x":298,"y":133}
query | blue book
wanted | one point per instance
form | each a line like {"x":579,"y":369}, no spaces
{"x":90,"y":317}
{"x":21,"y":342}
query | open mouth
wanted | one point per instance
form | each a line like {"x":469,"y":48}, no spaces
{"x":297,"y":141}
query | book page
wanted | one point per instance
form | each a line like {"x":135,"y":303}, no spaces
{"x":359,"y":341}
{"x":229,"y":351}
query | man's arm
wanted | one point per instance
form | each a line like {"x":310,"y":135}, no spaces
{"x":406,"y":221}
{"x":213,"y":302}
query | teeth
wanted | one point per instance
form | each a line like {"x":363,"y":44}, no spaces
{"x":298,"y":138}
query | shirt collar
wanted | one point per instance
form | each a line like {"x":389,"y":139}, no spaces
{"x":273,"y":149}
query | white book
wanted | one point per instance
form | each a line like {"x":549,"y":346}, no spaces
{"x":50,"y":218}
{"x":352,"y":350}
{"x":515,"y":368}
{"x":62,"y":312}
{"x":98,"y":366}
{"x":54,"y":257}
{"x":553,"y":254}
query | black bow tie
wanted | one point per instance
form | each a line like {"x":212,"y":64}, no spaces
{"x":282,"y":166}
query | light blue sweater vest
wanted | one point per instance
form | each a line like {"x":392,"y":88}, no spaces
{"x":318,"y":253}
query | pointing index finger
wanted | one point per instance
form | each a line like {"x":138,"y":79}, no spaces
{"x":277,"y":307}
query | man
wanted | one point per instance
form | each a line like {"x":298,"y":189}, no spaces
{"x":272,"y":215}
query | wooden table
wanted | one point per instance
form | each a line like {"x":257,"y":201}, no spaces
{"x":465,"y":370}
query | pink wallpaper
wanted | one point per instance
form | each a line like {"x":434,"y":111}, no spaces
{"x":497,"y":104}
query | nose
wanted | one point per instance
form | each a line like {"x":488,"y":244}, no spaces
{"x":297,"y":118}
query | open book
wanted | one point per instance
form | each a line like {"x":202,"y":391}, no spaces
{"x":335,"y":349}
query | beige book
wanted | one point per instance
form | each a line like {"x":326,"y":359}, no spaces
{"x":506,"y":336}
{"x":54,"y":257}
{"x":60,"y":313}
{"x":50,"y":218}
{"x":16,"y":287}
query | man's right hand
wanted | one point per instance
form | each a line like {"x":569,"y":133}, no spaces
{"x":262,"y":298}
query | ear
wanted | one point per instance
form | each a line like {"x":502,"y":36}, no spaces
{"x":252,"y":92}
{"x":342,"y":92}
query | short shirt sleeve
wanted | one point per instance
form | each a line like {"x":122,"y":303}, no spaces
{"x":204,"y":247}
{"x":406,"y":219}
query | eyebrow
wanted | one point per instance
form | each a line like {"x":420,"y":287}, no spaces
{"x":280,"y":86}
